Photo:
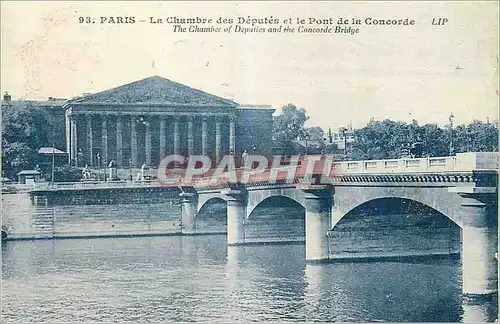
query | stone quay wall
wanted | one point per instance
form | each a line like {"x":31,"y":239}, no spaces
{"x":91,"y":213}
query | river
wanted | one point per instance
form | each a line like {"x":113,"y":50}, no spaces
{"x":178,"y":278}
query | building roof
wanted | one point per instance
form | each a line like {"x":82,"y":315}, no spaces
{"x":154,"y":90}
{"x":51,"y":103}
{"x":48,"y":150}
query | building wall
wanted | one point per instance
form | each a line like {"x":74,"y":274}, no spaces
{"x":254,"y":128}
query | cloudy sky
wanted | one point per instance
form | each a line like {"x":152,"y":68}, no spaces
{"x":422,"y":72}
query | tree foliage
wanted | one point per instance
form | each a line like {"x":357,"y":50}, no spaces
{"x":289,"y":126}
{"x":385,"y":139}
{"x":316,"y":139}
{"x":24,"y":130}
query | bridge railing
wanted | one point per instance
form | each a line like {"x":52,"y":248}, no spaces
{"x":403,"y":165}
{"x":461,"y":162}
{"x":93,"y":185}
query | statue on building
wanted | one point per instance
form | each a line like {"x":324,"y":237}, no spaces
{"x":86,"y":173}
{"x":112,"y":170}
{"x":244,"y":157}
{"x":144,"y":174}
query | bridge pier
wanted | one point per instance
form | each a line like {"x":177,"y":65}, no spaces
{"x":236,"y":213}
{"x":479,"y":244}
{"x":188,"y":213}
{"x":318,"y":201}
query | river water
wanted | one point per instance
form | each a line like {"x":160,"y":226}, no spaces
{"x":201,"y":279}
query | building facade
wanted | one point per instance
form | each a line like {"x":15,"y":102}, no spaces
{"x":144,"y":121}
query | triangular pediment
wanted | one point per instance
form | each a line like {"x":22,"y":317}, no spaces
{"x":155,"y":90}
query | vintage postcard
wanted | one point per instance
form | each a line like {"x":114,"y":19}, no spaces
{"x":241,"y":161}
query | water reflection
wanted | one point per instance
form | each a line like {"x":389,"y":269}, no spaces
{"x":201,"y":279}
{"x":480,"y":310}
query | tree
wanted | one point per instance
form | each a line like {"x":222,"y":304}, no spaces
{"x":25,"y":129}
{"x":476,"y":137}
{"x":384,"y":140}
{"x":435,"y":140}
{"x":16,"y":157}
{"x":379,"y":140}
{"x":316,"y":141}
{"x":288,"y":126}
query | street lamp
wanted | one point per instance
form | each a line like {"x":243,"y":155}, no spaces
{"x":306,"y":136}
{"x":343,"y":130}
{"x":451,"y":118}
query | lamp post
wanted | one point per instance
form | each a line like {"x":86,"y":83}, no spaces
{"x":343,"y":130}
{"x":451,"y":118}
{"x":306,"y":136}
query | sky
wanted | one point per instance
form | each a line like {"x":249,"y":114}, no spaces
{"x":421,"y":72}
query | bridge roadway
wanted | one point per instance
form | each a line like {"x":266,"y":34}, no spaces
{"x":462,"y":187}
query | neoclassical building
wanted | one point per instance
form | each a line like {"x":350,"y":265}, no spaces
{"x":144,"y":121}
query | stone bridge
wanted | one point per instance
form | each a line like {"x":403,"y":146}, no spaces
{"x":463,"y":188}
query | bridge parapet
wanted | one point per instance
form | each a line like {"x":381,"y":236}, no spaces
{"x":462,"y":162}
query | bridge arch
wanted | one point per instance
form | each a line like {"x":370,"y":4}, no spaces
{"x":438,"y":199}
{"x":393,"y":198}
{"x":255,"y":198}
{"x":394,"y":226}
{"x":276,"y":218}
{"x":206,"y":203}
{"x":212,"y":216}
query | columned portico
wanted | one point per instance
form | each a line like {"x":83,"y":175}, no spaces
{"x":232,"y":139}
{"x":104,"y":145}
{"x":163,"y":148}
{"x":217,"y":139}
{"x":147,"y":124}
{"x":74,"y":142}
{"x":133,"y":124}
{"x":119,"y":141}
{"x":176,"y":135}
{"x":204,"y":136}
{"x":90,"y":151}
{"x":190,"y":135}
{"x":133,"y":141}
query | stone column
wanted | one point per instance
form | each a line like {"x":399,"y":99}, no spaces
{"x":163,"y":143}
{"x":90,"y":150}
{"x":104,"y":146}
{"x":232,"y":139}
{"x":133,"y":141}
{"x":176,"y":135}
{"x":188,"y":213}
{"x":119,"y":141}
{"x":204,"y":136}
{"x":479,"y":243}
{"x":148,"y":142}
{"x":68,"y":134}
{"x":236,"y":214}
{"x":190,"y":135}
{"x":318,"y":206}
{"x":217,"y":139}
{"x":74,"y":142}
